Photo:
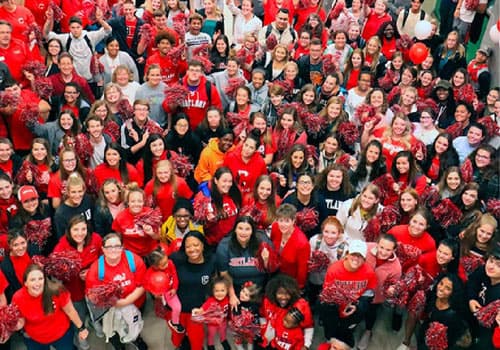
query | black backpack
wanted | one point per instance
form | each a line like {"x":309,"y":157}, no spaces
{"x":407,"y":13}
{"x":85,"y":37}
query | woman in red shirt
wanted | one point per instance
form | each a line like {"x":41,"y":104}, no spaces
{"x":140,"y":240}
{"x":15,"y":264}
{"x":88,"y":246}
{"x":116,"y":167}
{"x":165,"y":188}
{"x":352,"y":68}
{"x":264,"y":200}
{"x":374,"y":18}
{"x":8,"y":202}
{"x":46,"y":311}
{"x":155,"y":150}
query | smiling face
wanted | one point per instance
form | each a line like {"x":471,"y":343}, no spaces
{"x":111,"y":193}
{"x":408,"y":203}
{"x":441,"y":145}
{"x":407,"y":78}
{"x":308,"y":97}
{"x":78,"y":232}
{"x":224,"y":183}
{"x":330,"y":146}
{"x":286,"y":225}
{"x":30,"y":205}
{"x":157,"y":147}
{"x":225,"y":142}
{"x":484,"y":233}
{"x":35,"y":282}
{"x":334,"y":180}
{"x":305,"y":185}
{"x":482,"y":158}
{"x":469,"y":197}
{"x":68,"y":160}
{"x":444,"y":288}
{"x":399,"y":127}
{"x":5,"y":189}
{"x":458,"y":79}
{"x":385,"y":249}
{"x":462,"y":114}
{"x":112,"y":158}
{"x":368,"y":200}
{"x":193,"y":249}
{"x":220,"y":291}
{"x":444,"y":255}
{"x":135,"y":202}
{"x":75,"y":195}
{"x":372,"y":154}
{"x":154,"y":77}
{"x":242,"y":98}
{"x":283,"y":297}
{"x":297,"y":159}
{"x":66,"y":65}
{"x":243,"y":232}
{"x":113,"y":48}
{"x":264,"y":190}
{"x":402,"y":165}
{"x":18,"y":246}
{"x":331,"y":234}
{"x":353,"y":262}
{"x":417,"y":225}
{"x":66,"y":121}
{"x":453,"y":180}
{"x":475,"y":135}
{"x":164,"y":173}
{"x":287,"y":121}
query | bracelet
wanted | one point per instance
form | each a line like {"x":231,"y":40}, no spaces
{"x":82,"y":328}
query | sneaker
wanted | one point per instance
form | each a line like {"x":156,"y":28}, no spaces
{"x":403,"y":347}
{"x":177,"y":327}
{"x":140,"y":344}
{"x":365,"y":339}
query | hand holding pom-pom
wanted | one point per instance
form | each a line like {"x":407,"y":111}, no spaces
{"x":105,"y":295}
{"x":232,"y":85}
{"x":271,"y":42}
{"x":266,"y":258}
{"x":175,"y":94}
{"x":38,"y":231}
{"x":455,"y":130}
{"x":349,"y":133}
{"x":408,"y":255}
{"x":436,"y":337}
{"x":9,"y":318}
{"x":318,"y":261}
{"x":307,"y":219}
{"x":151,"y":217}
{"x":213,"y":315}
{"x":467,"y":170}
{"x":487,"y":314}
{"x":125,"y":109}
{"x":447,"y":213}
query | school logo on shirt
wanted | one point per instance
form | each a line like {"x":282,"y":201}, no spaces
{"x":205,"y":279}
{"x":20,"y":20}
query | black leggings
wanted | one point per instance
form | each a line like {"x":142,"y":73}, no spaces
{"x":371,"y":316}
{"x":334,"y":326}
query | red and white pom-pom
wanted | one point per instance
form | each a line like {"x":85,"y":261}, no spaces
{"x":175,"y":94}
{"x":471,"y":5}
{"x":465,"y":93}
{"x":492,"y":128}
{"x":467,"y":170}
{"x":404,"y":42}
{"x":201,"y":50}
{"x":180,"y":24}
{"x":232,"y":85}
{"x":332,"y":294}
{"x":313,"y":123}
{"x":427,"y":103}
{"x":386,"y":185}
{"x":388,"y":217}
{"x":63,"y":265}
{"x":160,"y":310}
{"x":38,"y":231}
{"x":125,"y":109}
{"x":244,"y":326}
{"x":396,"y":109}
{"x":372,"y":229}
{"x":29,"y":115}
{"x":252,"y":211}
{"x":447,"y":213}
{"x":9,"y":317}
{"x":287,"y":85}
{"x":408,"y":255}
{"x":318,"y":261}
{"x":273,"y":262}
{"x":336,"y":10}
{"x":106,"y":294}
{"x":8,"y":99}
{"x":206,"y":63}
{"x":34,"y":29}
{"x":239,"y":122}
{"x":146,"y":34}
{"x":430,"y":197}
{"x":455,"y":130}
{"x":365,"y":113}
{"x":43,"y":87}
{"x":112,"y":129}
{"x":96,"y":67}
{"x":21,"y":178}
{"x":493,"y":207}
{"x":349,"y":133}
{"x":91,"y":183}
{"x":330,"y":65}
{"x":398,"y":291}
{"x":182,"y":165}
{"x":286,"y":140}
{"x":419,"y":146}
{"x":201,"y":205}
{"x":486,"y":315}
{"x":393,"y":95}
{"x":153,"y":128}
{"x":344,"y":160}
{"x":416,"y":304}
{"x":312,"y":152}
{"x":213,"y":315}
{"x":58,"y":13}
{"x":307,"y":219}
{"x":83,"y":148}
{"x":271,"y":42}
{"x":150,"y":217}
{"x":471,"y":262}
{"x":177,"y":53}
{"x":387,"y":81}
{"x":436,"y":337}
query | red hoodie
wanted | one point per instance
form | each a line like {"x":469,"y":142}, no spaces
{"x":246,"y":174}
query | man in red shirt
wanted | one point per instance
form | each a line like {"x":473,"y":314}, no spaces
{"x":355,"y":281}
{"x":18,"y":16}
{"x":14,"y":53}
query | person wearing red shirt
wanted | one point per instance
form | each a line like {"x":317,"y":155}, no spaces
{"x":38,"y":9}
{"x":271,"y":8}
{"x":288,"y":333}
{"x":356,"y":278}
{"x":15,"y":264}
{"x":14,"y":53}
{"x":77,"y":8}
{"x":166,"y":187}
{"x":294,"y":248}
{"x":375,"y":18}
{"x":170,"y":71}
{"x":445,"y":259}
{"x":141,"y":240}
{"x":265,"y":200}
{"x":116,"y":167}
{"x":197,"y":102}
{"x":19,"y":18}
{"x":44,"y":305}
{"x":315,"y":6}
{"x":496,"y":334}
{"x":246,"y":164}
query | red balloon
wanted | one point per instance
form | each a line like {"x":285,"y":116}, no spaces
{"x":498,"y":25}
{"x":418,"y":53}
{"x":157,"y":283}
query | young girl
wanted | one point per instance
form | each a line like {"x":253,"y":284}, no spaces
{"x":288,"y":131}
{"x":249,"y":301}
{"x":441,"y":156}
{"x":219,"y":297}
{"x":451,"y":183}
{"x":159,"y":262}
{"x":334,"y":114}
{"x":308,"y":98}
{"x":288,"y":333}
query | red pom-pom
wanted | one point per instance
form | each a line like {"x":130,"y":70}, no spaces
{"x":125,"y":109}
{"x":436,"y":337}
{"x":150,"y":217}
{"x":419,"y":146}
{"x":201,"y":54}
{"x":112,"y":129}
{"x":465,"y":93}
{"x":63,"y":265}
{"x":232,"y":85}
{"x":58,"y":13}
{"x":253,"y":212}
{"x":427,"y":103}
{"x":318,"y":261}
{"x":404,"y":287}
{"x":182,"y":165}
{"x":408,"y":255}
{"x":244,"y":326}
{"x":404,"y":42}
{"x":387,"y":81}
{"x":213,"y":315}
{"x":455,"y":130}
{"x":447,"y":213}
{"x":160,"y":310}
{"x":349,"y":132}
{"x":287,"y":85}
{"x":29,"y":115}
{"x":24,"y":170}
{"x":9,"y":317}
{"x":43,"y":87}
{"x":493,"y":206}
{"x":365,"y":113}
{"x":471,"y":5}
{"x":176,"y":53}
{"x":180,"y":24}
{"x":381,"y":223}
{"x":146,"y":33}
{"x":385,"y":183}
{"x":471,"y":262}
{"x":96,"y":67}
{"x":36,"y":68}
{"x":417,"y":304}
{"x":273,"y":262}
{"x":467,"y":170}
{"x":8,"y":99}
{"x":239,"y":122}
{"x":307,"y":219}
{"x":491,"y":127}
{"x":38,"y":231}
{"x":393,"y":95}
{"x":486,"y":315}
{"x":337,"y":10}
{"x":313,"y":123}
{"x":83,"y":148}
{"x":331,"y":63}
{"x":271,"y":42}
{"x":175,"y":94}
{"x":430,"y":197}
{"x":332,"y":294}
{"x":286,"y":140}
{"x":153,"y":128}
{"x":344,"y":160}
{"x":201,"y":205}
{"x":106,"y":294}
{"x":372,"y":230}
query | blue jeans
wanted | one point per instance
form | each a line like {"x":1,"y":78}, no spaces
{"x":63,"y":343}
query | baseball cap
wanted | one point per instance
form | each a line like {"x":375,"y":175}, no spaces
{"x":443,"y":84}
{"x":26,"y":193}
{"x":486,"y":51}
{"x":357,"y":246}
{"x":496,"y":251}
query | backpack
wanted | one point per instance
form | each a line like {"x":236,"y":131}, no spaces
{"x":406,"y":14}
{"x":85,"y":37}
{"x":270,"y":28}
{"x":101,"y":265}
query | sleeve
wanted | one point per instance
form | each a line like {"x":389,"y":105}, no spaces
{"x":63,"y":298}
{"x":474,"y":284}
{"x":496,"y":337}
{"x":342,"y":213}
{"x":262,"y":36}
{"x":115,"y":226}
{"x":303,"y":256}
{"x":60,"y":223}
{"x":175,"y":278}
{"x":222,"y":256}
{"x":3,"y":282}
{"x":98,"y":35}
{"x":201,"y":172}
{"x":420,"y":185}
{"x":399,"y":21}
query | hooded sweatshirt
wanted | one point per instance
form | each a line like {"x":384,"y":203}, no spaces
{"x":211,"y":159}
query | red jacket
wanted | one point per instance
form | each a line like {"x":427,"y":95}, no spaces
{"x":196,"y":104}
{"x":166,"y":195}
{"x":294,"y":255}
{"x":58,"y":83}
{"x":134,"y":238}
{"x":246,"y":174}
{"x":390,"y":269}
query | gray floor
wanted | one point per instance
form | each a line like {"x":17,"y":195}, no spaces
{"x":157,"y":335}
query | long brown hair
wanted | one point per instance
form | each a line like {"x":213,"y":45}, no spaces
{"x":271,"y":201}
{"x":50,"y":288}
{"x":356,"y":203}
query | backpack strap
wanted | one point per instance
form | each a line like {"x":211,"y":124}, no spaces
{"x":85,"y":37}
{"x":100,"y":264}
{"x":208,"y":88}
{"x":407,"y":13}
{"x":130,"y":260}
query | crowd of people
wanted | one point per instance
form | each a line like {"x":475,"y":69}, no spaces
{"x":310,"y":164}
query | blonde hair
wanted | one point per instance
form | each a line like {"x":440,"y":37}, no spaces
{"x":459,"y":48}
{"x":356,"y":203}
{"x":406,"y":137}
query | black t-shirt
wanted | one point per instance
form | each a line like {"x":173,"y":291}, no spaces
{"x":333,"y":200}
{"x":64,"y":213}
{"x":194,"y":280}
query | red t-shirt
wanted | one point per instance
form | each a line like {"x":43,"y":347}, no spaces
{"x":103,"y":172}
{"x":56,"y":186}
{"x":170,"y":72}
{"x":121,"y":273}
{"x":223,"y":304}
{"x":373,"y":23}
{"x":15,"y":56}
{"x":20,"y":264}
{"x":40,"y":327}
{"x":131,"y":25}
{"x":287,"y":338}
{"x":430,"y":265}
{"x":38,"y":9}
{"x":20,"y":19}
{"x":246,"y":174}
{"x":3,"y":282}
{"x":134,"y":238}
{"x":8,"y":208}
{"x":166,"y":196}
{"x":20,"y":135}
{"x":89,"y":254}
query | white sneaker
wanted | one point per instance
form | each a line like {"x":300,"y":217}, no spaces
{"x":365,"y":340}
{"x":403,"y":347}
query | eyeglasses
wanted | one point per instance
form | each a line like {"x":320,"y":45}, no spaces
{"x":71,"y":92}
{"x":113,"y":247}
{"x":69,"y":160}
{"x":305,"y":182}
{"x":495,"y":261}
